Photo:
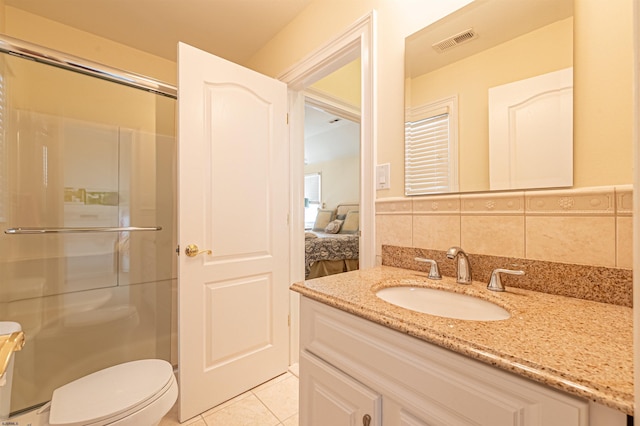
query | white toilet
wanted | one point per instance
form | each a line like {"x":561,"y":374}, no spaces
{"x":136,"y":393}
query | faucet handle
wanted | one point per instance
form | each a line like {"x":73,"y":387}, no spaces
{"x":434,"y":271}
{"x":495,"y":282}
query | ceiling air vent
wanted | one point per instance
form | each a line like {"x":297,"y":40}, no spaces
{"x":456,"y":40}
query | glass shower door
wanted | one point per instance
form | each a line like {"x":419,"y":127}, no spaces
{"x":84,"y":164}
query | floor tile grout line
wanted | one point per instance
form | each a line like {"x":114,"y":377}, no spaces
{"x":268,"y":409}
{"x":253,"y":392}
{"x":293,"y":377}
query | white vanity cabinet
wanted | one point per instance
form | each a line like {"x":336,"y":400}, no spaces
{"x":351,"y":368}
{"x":334,"y":398}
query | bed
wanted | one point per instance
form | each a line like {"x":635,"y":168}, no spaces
{"x":332,"y":246}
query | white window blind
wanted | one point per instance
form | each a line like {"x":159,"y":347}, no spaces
{"x":312,"y":188}
{"x":312,"y":196}
{"x":431,"y":150}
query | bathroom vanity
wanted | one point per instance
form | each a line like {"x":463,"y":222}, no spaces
{"x":555,"y":361}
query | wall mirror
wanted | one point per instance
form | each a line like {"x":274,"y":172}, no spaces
{"x":454,"y":67}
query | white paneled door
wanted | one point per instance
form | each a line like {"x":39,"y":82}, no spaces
{"x":233,"y":200}
{"x":531,"y":132}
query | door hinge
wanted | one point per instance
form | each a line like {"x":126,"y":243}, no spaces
{"x":287,"y":118}
{"x":178,"y":250}
{"x":289,"y":320}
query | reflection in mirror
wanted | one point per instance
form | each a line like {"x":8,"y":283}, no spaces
{"x":531,"y":132}
{"x":450,"y":69}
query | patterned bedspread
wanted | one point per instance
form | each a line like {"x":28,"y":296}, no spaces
{"x":330,"y":247}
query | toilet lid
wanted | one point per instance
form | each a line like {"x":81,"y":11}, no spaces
{"x":109,"y":392}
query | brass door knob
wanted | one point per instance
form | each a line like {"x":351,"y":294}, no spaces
{"x":192,"y":250}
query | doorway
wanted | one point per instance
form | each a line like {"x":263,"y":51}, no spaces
{"x":331,"y":190}
{"x":332,"y":173}
{"x":355,"y":42}
{"x":331,"y":162}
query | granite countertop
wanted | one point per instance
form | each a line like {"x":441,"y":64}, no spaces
{"x":581,"y":347}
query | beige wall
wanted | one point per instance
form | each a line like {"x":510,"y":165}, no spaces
{"x":603,"y":118}
{"x":2,"y":17}
{"x":340,"y":180}
{"x":343,"y":84}
{"x":51,"y":34}
{"x":56,"y":92}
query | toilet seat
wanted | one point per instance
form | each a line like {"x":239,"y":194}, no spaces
{"x":115,"y":393}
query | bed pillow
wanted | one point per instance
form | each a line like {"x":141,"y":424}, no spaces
{"x":343,"y":208}
{"x":322,"y":220}
{"x":334,"y":226}
{"x":351,"y":223}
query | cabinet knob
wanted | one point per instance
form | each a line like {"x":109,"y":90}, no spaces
{"x":366,"y":420}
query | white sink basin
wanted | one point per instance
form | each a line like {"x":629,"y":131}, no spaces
{"x":443,"y":303}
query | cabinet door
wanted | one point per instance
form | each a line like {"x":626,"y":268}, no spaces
{"x":423,"y":384}
{"x":330,"y":397}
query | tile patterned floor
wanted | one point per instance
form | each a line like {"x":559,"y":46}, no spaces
{"x":274,"y":403}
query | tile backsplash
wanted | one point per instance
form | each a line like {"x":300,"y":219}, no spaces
{"x":586,"y":226}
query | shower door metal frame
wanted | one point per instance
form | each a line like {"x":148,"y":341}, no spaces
{"x":34,"y":52}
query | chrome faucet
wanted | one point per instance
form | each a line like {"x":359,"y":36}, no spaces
{"x":463,"y":267}
{"x":495,"y":283}
{"x":434,"y":271}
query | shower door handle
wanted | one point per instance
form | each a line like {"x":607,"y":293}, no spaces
{"x":192,"y":250}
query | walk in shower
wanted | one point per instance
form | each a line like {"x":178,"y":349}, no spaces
{"x":87,"y":217}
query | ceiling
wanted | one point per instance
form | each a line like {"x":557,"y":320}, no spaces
{"x":494,"y":22}
{"x":232,"y":29}
{"x":328,"y":137}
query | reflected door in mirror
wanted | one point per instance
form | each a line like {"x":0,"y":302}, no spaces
{"x":531,"y":132}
